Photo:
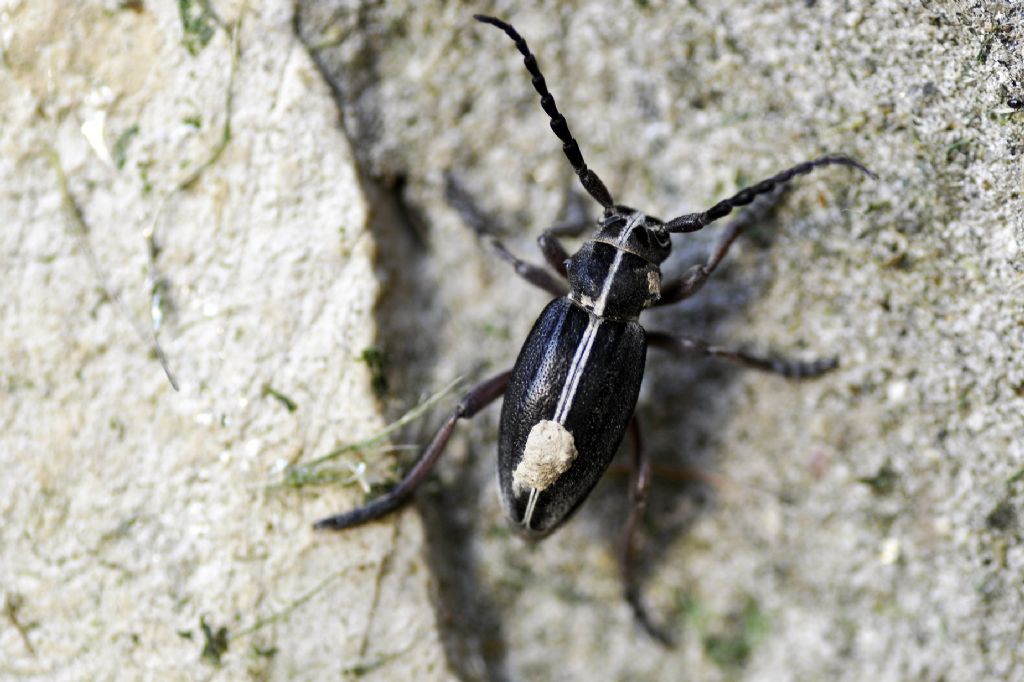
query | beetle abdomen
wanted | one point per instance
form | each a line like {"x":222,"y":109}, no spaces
{"x":568,"y":403}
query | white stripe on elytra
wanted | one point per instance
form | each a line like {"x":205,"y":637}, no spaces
{"x":530,"y":505}
{"x":579,"y":359}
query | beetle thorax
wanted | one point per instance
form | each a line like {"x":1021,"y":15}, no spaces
{"x":616,"y":274}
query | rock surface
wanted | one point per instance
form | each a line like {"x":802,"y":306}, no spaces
{"x":134,"y":516}
{"x":865,"y":525}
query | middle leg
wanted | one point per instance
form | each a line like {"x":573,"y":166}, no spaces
{"x":574,"y":224}
{"x":681,"y":344}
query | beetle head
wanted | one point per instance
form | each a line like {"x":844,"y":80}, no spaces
{"x":635,"y":232}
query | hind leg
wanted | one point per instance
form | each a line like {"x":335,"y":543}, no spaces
{"x":639,"y":484}
{"x":475,"y":400}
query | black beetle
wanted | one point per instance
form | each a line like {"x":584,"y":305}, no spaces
{"x":569,"y":399}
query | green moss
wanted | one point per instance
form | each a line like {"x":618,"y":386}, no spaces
{"x":263,"y":652}
{"x":121,"y":146}
{"x":199,"y":22}
{"x":366,"y":667}
{"x":317,"y":471}
{"x":1003,"y":517}
{"x":961,"y":145}
{"x":272,"y":392}
{"x":215,"y":642}
{"x":733,"y":645}
{"x":883,"y":482}
{"x":375,"y":360}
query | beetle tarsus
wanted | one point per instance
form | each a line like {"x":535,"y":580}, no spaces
{"x":643,"y":618}
{"x":380,"y":507}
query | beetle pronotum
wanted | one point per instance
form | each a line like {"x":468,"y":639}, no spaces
{"x":570,"y":397}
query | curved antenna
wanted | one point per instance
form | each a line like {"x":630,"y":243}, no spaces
{"x":588,"y":178}
{"x":691,"y":222}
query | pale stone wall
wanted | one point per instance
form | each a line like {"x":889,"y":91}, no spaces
{"x":131,"y":512}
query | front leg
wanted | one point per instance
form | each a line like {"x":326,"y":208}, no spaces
{"x":681,"y":344}
{"x":475,"y":220}
{"x":681,"y":288}
{"x":576,"y":222}
{"x":475,"y":400}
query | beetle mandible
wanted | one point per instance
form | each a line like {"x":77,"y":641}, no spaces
{"x":570,"y":397}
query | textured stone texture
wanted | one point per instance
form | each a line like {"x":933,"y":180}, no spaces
{"x":861,"y":526}
{"x":129,"y":512}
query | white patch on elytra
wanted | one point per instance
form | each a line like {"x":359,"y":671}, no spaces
{"x":549,"y":452}
{"x":653,"y":283}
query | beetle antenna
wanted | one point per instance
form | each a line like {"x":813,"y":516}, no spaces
{"x":588,"y":178}
{"x":691,"y":222}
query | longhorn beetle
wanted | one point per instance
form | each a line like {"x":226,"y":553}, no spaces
{"x":569,"y":399}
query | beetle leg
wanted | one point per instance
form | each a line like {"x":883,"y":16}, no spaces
{"x":475,"y":400}
{"x":471,"y":214}
{"x":792,"y":369}
{"x":681,"y":288}
{"x":575,"y":223}
{"x":639,"y":484}
{"x":535,"y":275}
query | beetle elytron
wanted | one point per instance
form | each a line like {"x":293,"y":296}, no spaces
{"x":569,"y":399}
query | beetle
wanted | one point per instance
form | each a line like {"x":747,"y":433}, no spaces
{"x":569,"y":398}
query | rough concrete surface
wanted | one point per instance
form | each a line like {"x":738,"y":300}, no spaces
{"x":865,"y":525}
